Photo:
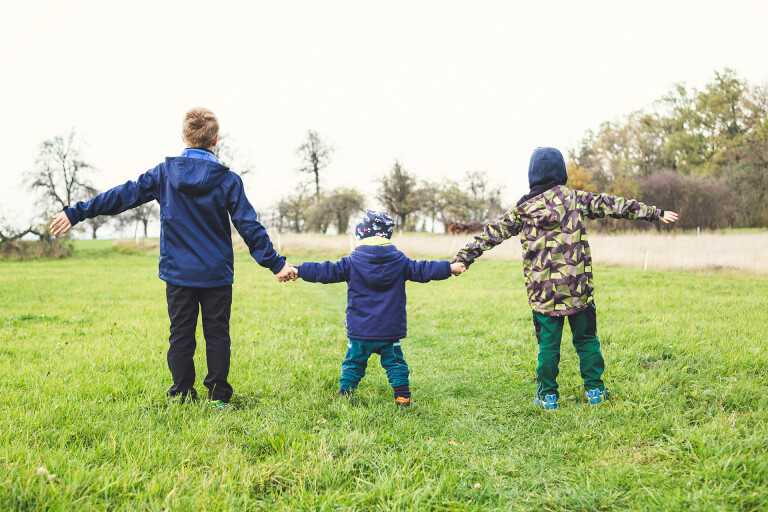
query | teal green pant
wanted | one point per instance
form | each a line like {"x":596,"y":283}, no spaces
{"x":549,"y":332}
{"x":358,"y":353}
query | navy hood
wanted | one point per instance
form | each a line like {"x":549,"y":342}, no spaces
{"x":379,"y":266}
{"x":194,"y":176}
{"x":547,"y":167}
{"x":546,"y":170}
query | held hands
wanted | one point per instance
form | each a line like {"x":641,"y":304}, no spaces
{"x":60,"y":224}
{"x":287,"y":273}
{"x":458,"y":268}
{"x":668,"y":217}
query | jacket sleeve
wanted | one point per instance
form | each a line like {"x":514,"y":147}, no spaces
{"x":253,"y":232}
{"x":118,"y":199}
{"x":326,"y":272}
{"x":426,"y":271}
{"x":597,"y":206}
{"x":506,"y":226}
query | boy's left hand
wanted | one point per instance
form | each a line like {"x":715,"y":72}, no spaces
{"x":60,"y":224}
{"x":458,"y":268}
{"x":669,"y":217}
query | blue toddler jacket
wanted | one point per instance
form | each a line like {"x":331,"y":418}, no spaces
{"x":376,"y":276}
{"x":197,"y":196}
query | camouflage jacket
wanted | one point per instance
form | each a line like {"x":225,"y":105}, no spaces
{"x":557,"y":263}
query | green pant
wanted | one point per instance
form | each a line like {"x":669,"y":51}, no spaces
{"x":549,"y":332}
{"x":358,"y":353}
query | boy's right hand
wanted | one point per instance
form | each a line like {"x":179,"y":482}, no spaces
{"x":668,"y":217}
{"x":60,"y":224}
{"x":458,"y":268}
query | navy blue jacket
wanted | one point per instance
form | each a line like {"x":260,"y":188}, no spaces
{"x":376,"y":276}
{"x":197,"y":198}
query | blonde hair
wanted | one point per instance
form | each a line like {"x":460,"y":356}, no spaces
{"x":200,"y":128}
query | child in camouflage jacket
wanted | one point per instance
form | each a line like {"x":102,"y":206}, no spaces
{"x":557,"y":266}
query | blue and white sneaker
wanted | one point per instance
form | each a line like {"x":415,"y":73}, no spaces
{"x":548,"y":403}
{"x":596,"y":396}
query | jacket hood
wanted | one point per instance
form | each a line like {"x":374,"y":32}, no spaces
{"x":547,"y":167}
{"x":380,"y":266}
{"x":545,"y":171}
{"x":194,"y":176}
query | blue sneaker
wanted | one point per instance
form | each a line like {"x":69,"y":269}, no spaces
{"x":596,"y":396}
{"x":548,"y":403}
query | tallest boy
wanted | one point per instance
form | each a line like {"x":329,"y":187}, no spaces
{"x":197,"y":197}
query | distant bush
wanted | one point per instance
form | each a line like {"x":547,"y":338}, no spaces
{"x":34,"y":249}
{"x":700,"y":202}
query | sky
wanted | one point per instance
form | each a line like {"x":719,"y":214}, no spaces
{"x":445,"y":87}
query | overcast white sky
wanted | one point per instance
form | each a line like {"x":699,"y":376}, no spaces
{"x":444,"y":86}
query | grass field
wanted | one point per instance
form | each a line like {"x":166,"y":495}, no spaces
{"x":85,"y":425}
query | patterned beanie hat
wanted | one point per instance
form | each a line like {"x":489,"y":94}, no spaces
{"x":375,"y":224}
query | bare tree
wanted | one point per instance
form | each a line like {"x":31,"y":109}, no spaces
{"x":96,"y":224}
{"x":61,"y":176}
{"x":398,"y":193}
{"x":318,"y":214}
{"x":454,"y":204}
{"x":142,"y":215}
{"x":292,"y":210}
{"x":484,"y":198}
{"x":432,"y":201}
{"x":344,"y":203}
{"x":315,"y":155}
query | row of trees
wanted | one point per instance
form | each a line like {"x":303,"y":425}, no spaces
{"x":702,"y":153}
{"x":415,"y":204}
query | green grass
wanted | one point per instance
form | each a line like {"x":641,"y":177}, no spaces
{"x":82,"y":355}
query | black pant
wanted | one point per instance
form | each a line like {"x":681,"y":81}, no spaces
{"x":183,"y":306}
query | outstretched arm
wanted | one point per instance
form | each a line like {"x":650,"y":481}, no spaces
{"x":426,"y":271}
{"x":326,"y":272}
{"x":601,"y":205}
{"x":115,"y":200}
{"x":506,"y":226}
